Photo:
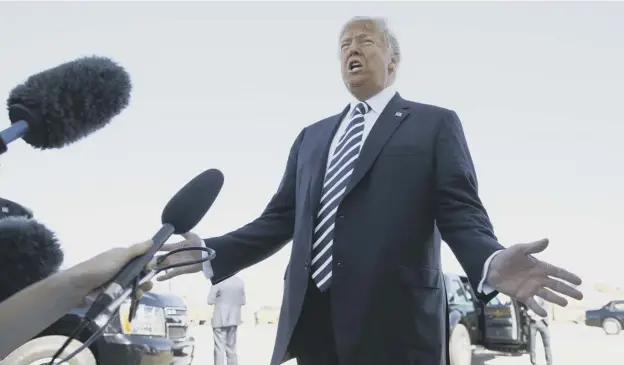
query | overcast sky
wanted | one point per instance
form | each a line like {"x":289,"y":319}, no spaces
{"x":539,"y":88}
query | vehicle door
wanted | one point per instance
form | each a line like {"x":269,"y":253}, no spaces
{"x":502,"y":322}
{"x":461,"y":300}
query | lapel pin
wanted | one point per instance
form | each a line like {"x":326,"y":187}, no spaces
{"x":398,"y":114}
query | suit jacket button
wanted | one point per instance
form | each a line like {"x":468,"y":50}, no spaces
{"x":306,"y":266}
{"x":341,"y":216}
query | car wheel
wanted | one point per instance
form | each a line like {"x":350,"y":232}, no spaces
{"x":611,"y":326}
{"x":460,"y":346}
{"x":40,"y":351}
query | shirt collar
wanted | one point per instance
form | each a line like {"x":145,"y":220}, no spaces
{"x":378,"y":102}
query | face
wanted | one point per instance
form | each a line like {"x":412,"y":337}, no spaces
{"x":365,"y":60}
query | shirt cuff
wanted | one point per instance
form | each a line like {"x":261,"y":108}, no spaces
{"x":206,"y":266}
{"x":483,"y":287}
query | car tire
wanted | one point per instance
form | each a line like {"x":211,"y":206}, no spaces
{"x":40,"y":351}
{"x":611,"y":326}
{"x":460,"y":346}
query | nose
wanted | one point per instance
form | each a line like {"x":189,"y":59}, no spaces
{"x":353,"y":49}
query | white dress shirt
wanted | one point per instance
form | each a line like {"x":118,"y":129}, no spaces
{"x":377,"y":104}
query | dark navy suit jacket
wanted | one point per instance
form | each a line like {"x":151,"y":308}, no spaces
{"x":414,"y":180}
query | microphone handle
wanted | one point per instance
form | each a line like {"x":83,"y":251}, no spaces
{"x":131,"y":271}
{"x":16,"y":131}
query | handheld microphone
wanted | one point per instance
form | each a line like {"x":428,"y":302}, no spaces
{"x":29,"y":252}
{"x":181,"y":214}
{"x":61,"y":105}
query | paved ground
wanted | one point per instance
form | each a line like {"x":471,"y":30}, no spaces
{"x":572,"y":345}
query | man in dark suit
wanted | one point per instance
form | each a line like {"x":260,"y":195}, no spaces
{"x":365,"y":197}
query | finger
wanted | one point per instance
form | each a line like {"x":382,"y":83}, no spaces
{"x":147,"y":286}
{"x":535,"y":247}
{"x":563,"y":288}
{"x":140,"y":248}
{"x":536,"y":308}
{"x":171,"y":246}
{"x":151,"y":264}
{"x":138,"y":294}
{"x":175,"y":272}
{"x":563,"y":274}
{"x":549,"y":296}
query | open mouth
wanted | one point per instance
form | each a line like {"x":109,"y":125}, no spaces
{"x":354,"y":66}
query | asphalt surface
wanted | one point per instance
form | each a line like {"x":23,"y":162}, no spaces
{"x":572,"y":345}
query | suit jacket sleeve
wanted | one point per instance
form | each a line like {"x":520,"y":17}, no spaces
{"x":461,"y":218}
{"x":264,"y":236}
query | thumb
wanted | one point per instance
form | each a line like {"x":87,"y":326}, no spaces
{"x":139,"y":248}
{"x":535,"y":247}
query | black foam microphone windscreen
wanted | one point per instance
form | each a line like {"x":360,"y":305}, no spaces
{"x":29,"y":252}
{"x":187,"y":207}
{"x":191,"y":203}
{"x":61,"y":105}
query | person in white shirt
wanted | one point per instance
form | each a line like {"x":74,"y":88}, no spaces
{"x":227,"y":297}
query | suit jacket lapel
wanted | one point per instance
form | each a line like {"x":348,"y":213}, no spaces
{"x":319,"y":163}
{"x":391,"y":117}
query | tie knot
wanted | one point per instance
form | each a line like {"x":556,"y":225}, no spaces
{"x":361,"y":108}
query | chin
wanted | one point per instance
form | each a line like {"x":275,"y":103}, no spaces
{"x":355,"y":81}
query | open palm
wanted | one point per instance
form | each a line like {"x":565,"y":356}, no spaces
{"x":515,"y":272}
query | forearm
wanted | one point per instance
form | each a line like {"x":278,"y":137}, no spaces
{"x":264,"y":236}
{"x":250,"y":244}
{"x":33,"y":309}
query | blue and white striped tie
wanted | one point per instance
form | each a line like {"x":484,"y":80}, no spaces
{"x":342,"y":163}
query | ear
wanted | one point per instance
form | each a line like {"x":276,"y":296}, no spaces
{"x":392,"y":65}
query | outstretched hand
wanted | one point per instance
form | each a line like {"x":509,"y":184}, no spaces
{"x":191,"y":240}
{"x":515,"y":272}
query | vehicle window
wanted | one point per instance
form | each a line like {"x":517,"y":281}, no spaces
{"x":457,"y":290}
{"x":468,"y":292}
{"x":618,"y":306}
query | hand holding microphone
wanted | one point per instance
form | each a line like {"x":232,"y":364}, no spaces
{"x":180,"y":215}
{"x":30,"y":310}
{"x":94,"y":273}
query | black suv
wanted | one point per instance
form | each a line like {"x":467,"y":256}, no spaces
{"x":157,"y":336}
{"x":501,"y":325}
